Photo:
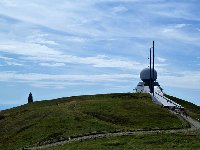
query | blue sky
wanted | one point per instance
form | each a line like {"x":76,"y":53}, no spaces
{"x":60,"y":48}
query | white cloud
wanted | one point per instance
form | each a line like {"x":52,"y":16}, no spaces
{"x":52,"y":64}
{"x":68,"y":16}
{"x":169,"y":33}
{"x":13,"y":64}
{"x":45,"y":80}
{"x":187,"y":79}
{"x":27,"y":49}
{"x":180,"y":25}
{"x":174,"y":9}
{"x":9,"y":3}
{"x":43,"y":41}
{"x":40,"y":38}
{"x":162,"y":60}
{"x":168,"y":30}
{"x":9,"y":61}
{"x":119,"y":9}
{"x":5,"y":58}
{"x":173,"y":29}
{"x":44,"y":55}
{"x":76,"y":39}
{"x":85,"y":18}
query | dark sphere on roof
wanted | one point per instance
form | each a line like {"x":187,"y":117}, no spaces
{"x":145,"y":75}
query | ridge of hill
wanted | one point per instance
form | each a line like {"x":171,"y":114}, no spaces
{"x":190,"y":108}
{"x":49,"y":121}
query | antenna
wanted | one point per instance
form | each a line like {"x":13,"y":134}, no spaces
{"x":153,"y":69}
{"x":151,"y":82}
{"x":150,"y":85}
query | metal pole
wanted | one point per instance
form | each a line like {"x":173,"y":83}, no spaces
{"x":153,"y":68}
{"x":150,"y":85}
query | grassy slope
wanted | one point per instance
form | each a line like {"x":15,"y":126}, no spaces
{"x":191,"y":109}
{"x":58,"y":119}
{"x":178,"y":141}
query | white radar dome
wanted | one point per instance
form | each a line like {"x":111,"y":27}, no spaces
{"x":145,"y":75}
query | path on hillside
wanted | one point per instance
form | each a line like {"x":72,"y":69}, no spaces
{"x":105,"y":135}
{"x":195,"y":125}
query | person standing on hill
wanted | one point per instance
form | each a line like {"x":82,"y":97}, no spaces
{"x":30,"y":98}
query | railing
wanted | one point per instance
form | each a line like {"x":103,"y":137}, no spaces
{"x":168,"y":100}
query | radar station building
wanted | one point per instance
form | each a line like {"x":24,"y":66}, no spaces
{"x":145,"y":76}
{"x":157,"y":96}
{"x":149,"y":84}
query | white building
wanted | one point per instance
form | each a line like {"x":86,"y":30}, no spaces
{"x":158,"y":96}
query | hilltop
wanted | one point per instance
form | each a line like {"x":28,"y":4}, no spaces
{"x":49,"y":121}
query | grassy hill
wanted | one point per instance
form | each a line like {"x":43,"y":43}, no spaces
{"x":53,"y":120}
{"x":169,"y":141}
{"x":191,"y":109}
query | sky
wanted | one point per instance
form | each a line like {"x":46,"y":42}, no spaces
{"x":60,"y":48}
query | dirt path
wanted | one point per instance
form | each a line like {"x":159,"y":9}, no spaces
{"x":194,"y":123}
{"x":194,"y":126}
{"x":104,"y":135}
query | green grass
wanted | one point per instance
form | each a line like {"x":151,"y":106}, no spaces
{"x":190,"y":108}
{"x":47,"y":121}
{"x":166,"y":141}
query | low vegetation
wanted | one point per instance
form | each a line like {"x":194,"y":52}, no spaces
{"x":178,"y":141}
{"x":45,"y":122}
{"x":190,"y":108}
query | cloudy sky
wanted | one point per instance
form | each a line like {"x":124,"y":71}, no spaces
{"x":60,"y":48}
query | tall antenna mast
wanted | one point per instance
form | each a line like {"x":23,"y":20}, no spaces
{"x":153,"y":68}
{"x":150,"y":84}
